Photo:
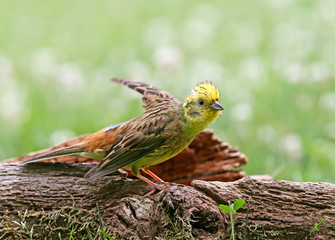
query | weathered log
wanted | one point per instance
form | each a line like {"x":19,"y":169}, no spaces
{"x":59,"y":201}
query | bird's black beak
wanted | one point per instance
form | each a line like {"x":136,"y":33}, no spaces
{"x":216,"y":106}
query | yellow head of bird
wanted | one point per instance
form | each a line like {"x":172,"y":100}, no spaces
{"x":203,"y":105}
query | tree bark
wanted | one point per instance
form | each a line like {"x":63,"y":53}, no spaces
{"x":59,"y":201}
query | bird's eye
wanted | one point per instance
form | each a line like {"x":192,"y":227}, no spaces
{"x":201,"y":102}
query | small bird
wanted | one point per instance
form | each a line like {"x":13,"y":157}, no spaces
{"x":165,"y":128}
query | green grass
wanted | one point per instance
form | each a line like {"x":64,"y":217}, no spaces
{"x":23,"y":224}
{"x":316,"y":227}
{"x":77,"y":227}
{"x":272,"y":60}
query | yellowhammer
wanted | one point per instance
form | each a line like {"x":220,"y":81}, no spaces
{"x":165,"y":128}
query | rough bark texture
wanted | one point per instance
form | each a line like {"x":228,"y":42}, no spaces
{"x":60,"y":202}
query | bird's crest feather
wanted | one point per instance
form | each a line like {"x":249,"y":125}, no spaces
{"x":205,"y":90}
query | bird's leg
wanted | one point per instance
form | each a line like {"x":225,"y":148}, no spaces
{"x":147,"y":171}
{"x":146,"y":180}
{"x":156,"y":186}
{"x":163,"y":185}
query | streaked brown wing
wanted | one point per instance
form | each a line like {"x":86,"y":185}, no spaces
{"x":152,"y":96}
{"x":121,"y":157}
{"x":105,"y":139}
{"x":138,"y":142}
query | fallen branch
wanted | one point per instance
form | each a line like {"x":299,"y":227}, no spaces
{"x":60,"y":201}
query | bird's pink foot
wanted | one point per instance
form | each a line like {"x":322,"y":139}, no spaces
{"x":158,"y":187}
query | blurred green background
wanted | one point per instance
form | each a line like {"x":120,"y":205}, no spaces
{"x":273,"y":61}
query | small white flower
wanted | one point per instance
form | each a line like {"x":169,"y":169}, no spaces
{"x":294,"y":73}
{"x":292,"y":146}
{"x":167,"y":57}
{"x":327,"y":101}
{"x":242,"y":112}
{"x":326,"y":10}
{"x":44,"y":63}
{"x":251,"y":68}
{"x":12,"y":106}
{"x":61,"y":135}
{"x":319,"y":72}
{"x":70,"y":77}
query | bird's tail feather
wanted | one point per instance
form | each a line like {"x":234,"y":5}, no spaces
{"x":56,"y":153}
{"x":91,"y":172}
{"x":94,"y":173}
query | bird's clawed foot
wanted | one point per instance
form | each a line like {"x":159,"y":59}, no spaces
{"x":162,"y":186}
{"x":158,"y":187}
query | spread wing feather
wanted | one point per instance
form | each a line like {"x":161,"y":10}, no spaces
{"x":152,"y":97}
